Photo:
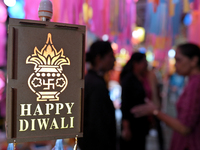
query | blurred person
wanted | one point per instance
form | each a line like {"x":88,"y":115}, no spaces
{"x":99,"y":130}
{"x":186,"y":126}
{"x":134,"y":130}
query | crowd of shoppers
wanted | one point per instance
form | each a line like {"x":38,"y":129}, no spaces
{"x":141,"y":102}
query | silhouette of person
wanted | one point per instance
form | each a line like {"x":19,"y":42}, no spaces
{"x":99,"y":113}
{"x":134,"y":130}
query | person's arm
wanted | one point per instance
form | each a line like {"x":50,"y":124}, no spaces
{"x":126,"y":132}
{"x":173,"y":123}
{"x":188,"y":117}
{"x":150,"y":108}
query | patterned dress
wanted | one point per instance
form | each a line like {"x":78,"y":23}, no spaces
{"x":188,"y":109}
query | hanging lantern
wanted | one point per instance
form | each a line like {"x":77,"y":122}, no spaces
{"x":138,"y":35}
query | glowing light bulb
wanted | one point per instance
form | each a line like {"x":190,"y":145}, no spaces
{"x":123,"y":51}
{"x":171,"y":53}
{"x":135,"y":34}
{"x":149,"y":56}
{"x":140,"y":32}
{"x":10,"y":3}
{"x":105,"y":37}
{"x":114,"y":46}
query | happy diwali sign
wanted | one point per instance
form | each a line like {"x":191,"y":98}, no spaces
{"x":45,"y":81}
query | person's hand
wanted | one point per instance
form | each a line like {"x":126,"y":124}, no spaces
{"x":144,"y":110}
{"x":126,"y":134}
{"x":174,"y":88}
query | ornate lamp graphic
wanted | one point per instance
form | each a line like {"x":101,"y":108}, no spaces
{"x":48,"y":81}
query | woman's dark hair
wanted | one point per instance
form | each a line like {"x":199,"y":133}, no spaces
{"x":136,"y":57}
{"x":100,"y":48}
{"x":190,"y":50}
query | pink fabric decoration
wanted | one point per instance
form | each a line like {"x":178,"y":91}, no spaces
{"x":196,"y":4}
{"x":31,"y":9}
{"x":3,"y":17}
{"x":3,"y":13}
{"x":115,"y":18}
{"x":193,"y":29}
{"x":2,"y":44}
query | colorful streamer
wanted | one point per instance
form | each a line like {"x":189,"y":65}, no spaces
{"x":3,"y":17}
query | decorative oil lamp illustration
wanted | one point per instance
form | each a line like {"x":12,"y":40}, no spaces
{"x":48,"y":80}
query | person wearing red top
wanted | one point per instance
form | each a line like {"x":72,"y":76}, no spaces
{"x":187,"y":124}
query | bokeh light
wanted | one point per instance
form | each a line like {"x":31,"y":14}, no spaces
{"x":171,"y":53}
{"x":105,"y":37}
{"x":149,"y":56}
{"x":17,"y":11}
{"x":114,"y":46}
{"x":138,"y":35}
{"x":123,"y":51}
{"x":10,"y":3}
{"x":142,"y":50}
{"x":187,"y":19}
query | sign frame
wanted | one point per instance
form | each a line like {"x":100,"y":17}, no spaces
{"x":17,"y":113}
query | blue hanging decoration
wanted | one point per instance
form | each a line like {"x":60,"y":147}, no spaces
{"x":176,"y":19}
{"x":115,"y":39}
{"x":142,"y":50}
{"x":17,"y":11}
{"x":148,"y":18}
{"x":156,"y":22}
{"x":187,"y":19}
{"x":10,"y":146}
{"x":59,"y":145}
{"x":128,"y":42}
{"x":175,"y":1}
